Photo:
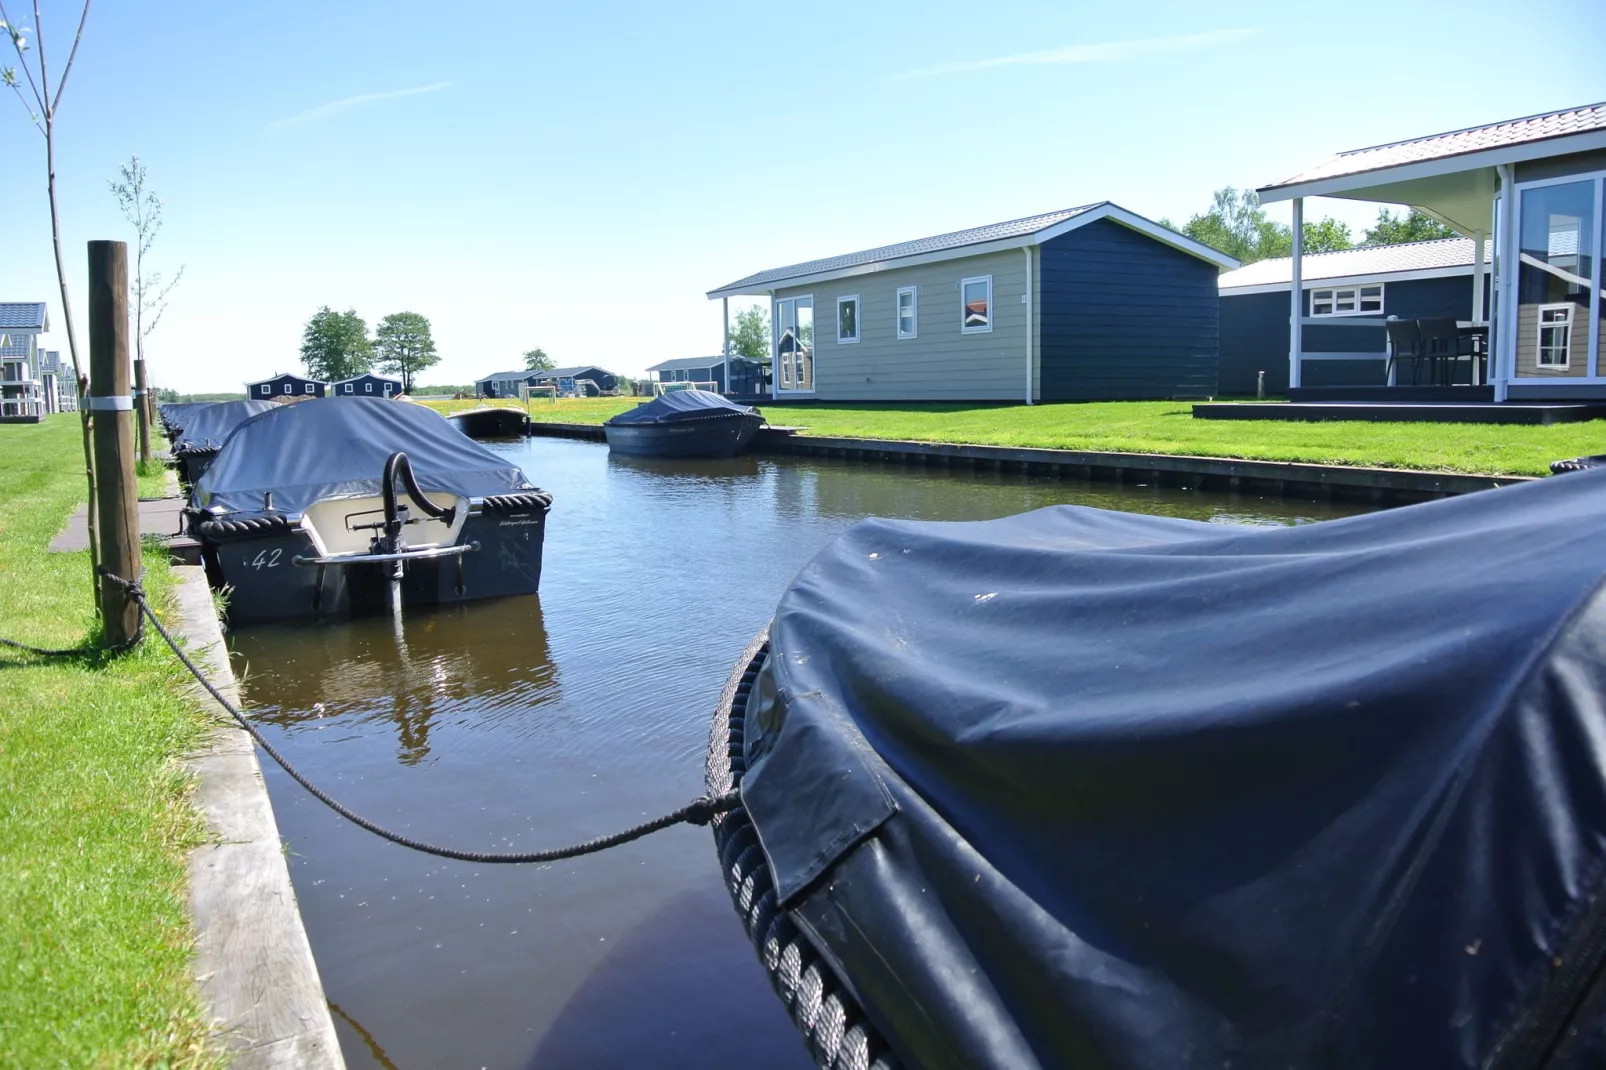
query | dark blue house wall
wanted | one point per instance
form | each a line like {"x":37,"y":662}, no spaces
{"x":275,"y":387}
{"x":1123,"y":316}
{"x":1254,"y":335}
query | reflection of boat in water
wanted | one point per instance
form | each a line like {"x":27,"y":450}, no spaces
{"x":490,"y":422}
{"x":483,"y":664}
{"x":205,"y":428}
{"x":1187,"y":794}
{"x":684,"y":423}
{"x":701,"y":469}
{"x":300,"y":514}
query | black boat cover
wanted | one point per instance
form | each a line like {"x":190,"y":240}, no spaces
{"x":1088,"y":789}
{"x":337,"y":447}
{"x":174,"y":413}
{"x":680,"y":405}
{"x":206,"y":426}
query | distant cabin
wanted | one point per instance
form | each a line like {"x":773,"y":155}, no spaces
{"x":286,"y":385}
{"x":604,"y":379}
{"x":22,"y":395}
{"x":366,"y":385}
{"x":1093,"y":302}
{"x":1409,"y":281}
{"x":747,"y":376}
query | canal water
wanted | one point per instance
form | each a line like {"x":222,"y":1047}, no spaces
{"x":536,"y":722}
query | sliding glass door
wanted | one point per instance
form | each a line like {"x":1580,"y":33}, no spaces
{"x":1557,"y":309}
{"x":794,"y":344}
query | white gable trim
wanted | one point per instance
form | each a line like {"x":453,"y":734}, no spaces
{"x":1327,"y":282}
{"x":1109,"y":211}
{"x":1338,"y":185}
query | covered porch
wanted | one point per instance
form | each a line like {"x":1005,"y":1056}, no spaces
{"x":1530,"y":191}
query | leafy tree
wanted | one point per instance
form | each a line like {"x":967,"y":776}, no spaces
{"x":536,"y":360}
{"x":403,"y":346}
{"x":1237,"y":225}
{"x":751,"y":336}
{"x":1413,"y":226}
{"x":335,"y":345}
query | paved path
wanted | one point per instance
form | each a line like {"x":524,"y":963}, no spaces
{"x":157,"y":516}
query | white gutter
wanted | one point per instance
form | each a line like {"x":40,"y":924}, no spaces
{"x":1028,"y":252}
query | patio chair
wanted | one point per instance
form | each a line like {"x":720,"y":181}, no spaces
{"x":1443,"y":345}
{"x":1405,"y":343}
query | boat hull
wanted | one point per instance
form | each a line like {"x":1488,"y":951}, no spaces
{"x":490,"y":423}
{"x":265,"y":582}
{"x":706,"y":436}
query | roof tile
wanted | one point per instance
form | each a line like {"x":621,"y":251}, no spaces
{"x":1365,"y":260}
{"x":22,"y":315}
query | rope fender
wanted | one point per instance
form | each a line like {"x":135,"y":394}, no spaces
{"x":1578,"y":464}
{"x":220,"y":529}
{"x":190,"y":449}
{"x":835,"y":1028}
{"x":516,"y":503}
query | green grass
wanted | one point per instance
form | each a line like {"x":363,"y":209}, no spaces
{"x":95,"y":818}
{"x":1169,"y":427}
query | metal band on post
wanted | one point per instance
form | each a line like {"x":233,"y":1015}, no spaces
{"x":111,"y":403}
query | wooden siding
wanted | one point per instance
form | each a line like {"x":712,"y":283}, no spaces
{"x":1254,"y":335}
{"x":1528,"y":344}
{"x":940,"y":363}
{"x":1124,"y":316}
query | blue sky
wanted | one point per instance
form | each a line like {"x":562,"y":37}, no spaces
{"x":577,"y":176}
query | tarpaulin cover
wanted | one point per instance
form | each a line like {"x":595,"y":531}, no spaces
{"x":206,"y":426}
{"x":1087,"y":789}
{"x":174,"y":413}
{"x":681,"y":405}
{"x":337,"y":447}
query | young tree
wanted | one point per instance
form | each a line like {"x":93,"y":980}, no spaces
{"x":1414,"y":226}
{"x":42,"y":102}
{"x":536,"y":360}
{"x":402,"y":344}
{"x":143,"y":208}
{"x":1237,"y":225}
{"x":750,"y":337}
{"x":335,"y":345}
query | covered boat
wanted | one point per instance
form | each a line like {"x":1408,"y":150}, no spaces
{"x":173,"y":414}
{"x":489,"y":422}
{"x":360,"y":504}
{"x":1079,"y":788}
{"x":684,"y":423}
{"x":205,"y":427}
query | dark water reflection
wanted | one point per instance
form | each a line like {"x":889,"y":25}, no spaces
{"x":535,"y":722}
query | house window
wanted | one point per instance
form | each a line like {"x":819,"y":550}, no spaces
{"x":349,"y":388}
{"x":906,"y":312}
{"x":289,"y":388}
{"x":266,"y":389}
{"x":847,"y":319}
{"x":368,"y":388}
{"x":976,"y":304}
{"x":310,"y":389}
{"x":1555,"y":335}
{"x":1347,"y":301}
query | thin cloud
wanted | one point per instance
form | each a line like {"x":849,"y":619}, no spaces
{"x":335,"y":107}
{"x":1109,"y":52}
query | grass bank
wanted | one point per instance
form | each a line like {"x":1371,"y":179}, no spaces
{"x":95,"y":819}
{"x":1169,"y":427}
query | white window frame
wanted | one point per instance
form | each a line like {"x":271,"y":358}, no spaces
{"x":1539,"y":335}
{"x":289,"y":388}
{"x":368,"y":388}
{"x":312,"y":388}
{"x":987,"y":329}
{"x":1352,"y":296}
{"x":914,"y":311}
{"x":858,"y":325}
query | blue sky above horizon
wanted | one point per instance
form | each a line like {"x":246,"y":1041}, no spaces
{"x":577,"y":176}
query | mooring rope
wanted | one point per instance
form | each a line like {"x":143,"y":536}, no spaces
{"x":89,"y":651}
{"x":700,"y":811}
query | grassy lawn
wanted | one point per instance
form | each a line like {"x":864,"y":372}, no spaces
{"x":1169,"y":427}
{"x":95,"y":934}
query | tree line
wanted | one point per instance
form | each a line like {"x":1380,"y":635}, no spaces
{"x":336,"y":346}
{"x":1236,"y":224}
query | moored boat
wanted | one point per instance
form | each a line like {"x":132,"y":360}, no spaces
{"x":203,"y":431}
{"x":361,"y":505}
{"x":490,"y":422}
{"x":684,"y":423}
{"x":1087,"y":788}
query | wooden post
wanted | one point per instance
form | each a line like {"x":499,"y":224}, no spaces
{"x":142,"y":412}
{"x":116,"y":491}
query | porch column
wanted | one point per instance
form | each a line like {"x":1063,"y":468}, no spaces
{"x":1477,"y":290}
{"x":725,"y":302}
{"x":1296,"y":294}
{"x":1503,"y":348}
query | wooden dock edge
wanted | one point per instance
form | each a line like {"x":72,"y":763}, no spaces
{"x":1292,"y":479}
{"x":253,"y":962}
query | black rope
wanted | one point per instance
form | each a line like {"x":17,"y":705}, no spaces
{"x":86,"y":651}
{"x":699,"y":811}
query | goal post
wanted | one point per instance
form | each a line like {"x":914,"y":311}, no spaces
{"x":687,"y":384}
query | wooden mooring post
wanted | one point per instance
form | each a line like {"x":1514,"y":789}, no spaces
{"x":142,"y":411}
{"x":116,"y":488}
